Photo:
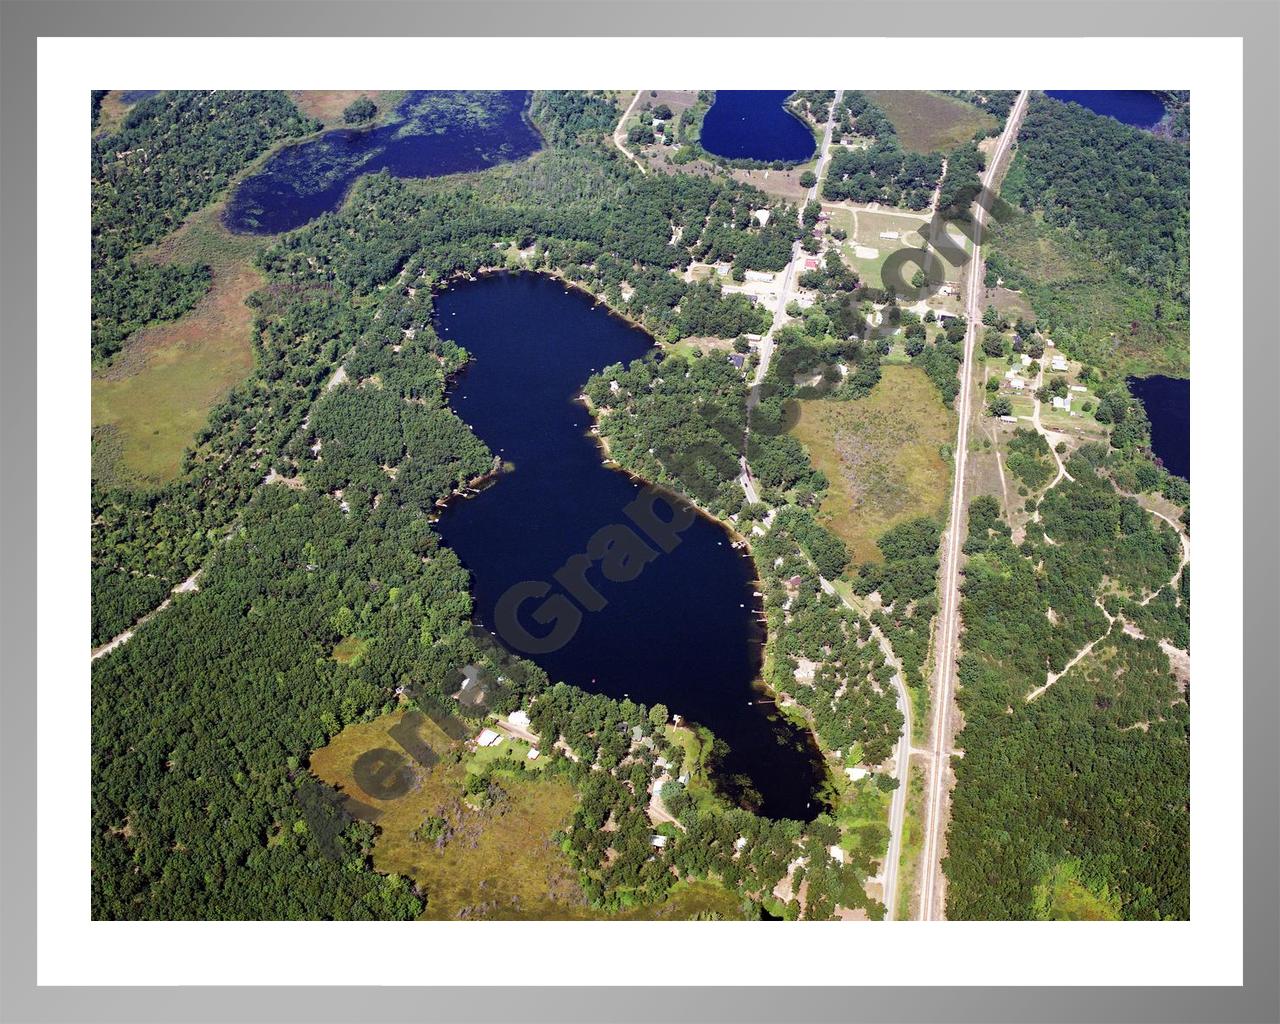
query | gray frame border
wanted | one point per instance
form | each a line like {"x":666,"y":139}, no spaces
{"x":23,"y":21}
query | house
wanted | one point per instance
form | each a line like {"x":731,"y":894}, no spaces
{"x":1062,"y":403}
{"x":657,"y":841}
{"x":795,"y":581}
{"x":738,"y":359}
{"x":488,"y":738}
{"x":519,"y":719}
{"x":1080,"y":387}
{"x":811,"y":264}
{"x":837,"y":854}
{"x":1026,"y":359}
{"x":1058,"y":363}
{"x":855,"y":774}
{"x":683,"y":779}
{"x":759,"y":275}
{"x":762,"y":216}
{"x":1017,"y":383}
{"x":533,"y":753}
{"x":824,"y":216}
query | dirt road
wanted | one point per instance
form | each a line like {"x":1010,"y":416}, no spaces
{"x":620,"y":134}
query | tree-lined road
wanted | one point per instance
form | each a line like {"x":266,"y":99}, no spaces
{"x":932,"y":904}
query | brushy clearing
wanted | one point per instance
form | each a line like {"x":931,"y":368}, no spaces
{"x":927,"y":122}
{"x":883,"y":457}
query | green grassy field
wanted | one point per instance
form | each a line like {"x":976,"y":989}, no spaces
{"x":927,"y":122}
{"x":158,"y":392}
{"x":881,"y":455}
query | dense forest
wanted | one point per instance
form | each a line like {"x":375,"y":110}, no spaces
{"x":173,"y":153}
{"x":1090,"y":776}
{"x":1122,"y":192}
{"x":307,"y":502}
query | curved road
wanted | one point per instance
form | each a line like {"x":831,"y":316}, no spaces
{"x":932,"y":885}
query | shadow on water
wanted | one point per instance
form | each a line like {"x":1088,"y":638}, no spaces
{"x":686,"y":632}
{"x":430,"y":134}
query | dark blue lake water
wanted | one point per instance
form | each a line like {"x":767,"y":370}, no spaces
{"x":752,"y":124}
{"x":1135,"y":107}
{"x":1168,"y":404}
{"x":432,"y":133}
{"x":685,"y":631}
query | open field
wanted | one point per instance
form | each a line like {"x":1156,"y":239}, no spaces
{"x":157,"y":393}
{"x":882,"y":456}
{"x":497,"y":861}
{"x":927,"y":121}
{"x":867,"y":246}
{"x":327,"y":105}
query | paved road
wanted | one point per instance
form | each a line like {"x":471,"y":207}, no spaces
{"x":932,"y":885}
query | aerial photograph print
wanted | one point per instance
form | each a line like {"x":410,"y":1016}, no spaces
{"x":684,"y":505}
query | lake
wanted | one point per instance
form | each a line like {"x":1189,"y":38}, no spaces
{"x":752,"y":124}
{"x":1168,"y":404}
{"x":1136,"y":107}
{"x":684,"y":632}
{"x":430,"y":134}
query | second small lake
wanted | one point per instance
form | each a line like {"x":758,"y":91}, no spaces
{"x":685,"y":632}
{"x":753,"y":124}
{"x":1167,"y":401}
{"x":430,"y":134}
{"x":1132,"y":106}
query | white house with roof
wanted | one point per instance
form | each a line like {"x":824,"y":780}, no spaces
{"x":1058,"y":363}
{"x":519,"y":719}
{"x":1062,"y":403}
{"x":488,"y":738}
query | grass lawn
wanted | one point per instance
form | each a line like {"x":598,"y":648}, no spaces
{"x":928,"y":122}
{"x":882,"y":456}
{"x":509,"y":751}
